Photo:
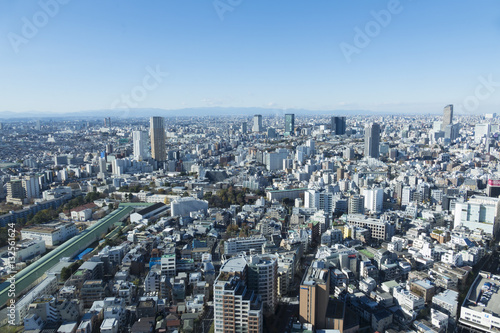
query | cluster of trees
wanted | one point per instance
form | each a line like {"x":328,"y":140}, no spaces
{"x":80,"y":200}
{"x":67,"y":271}
{"x":233,"y":230}
{"x":42,"y":216}
{"x":226,"y":197}
{"x":133,"y":189}
{"x":4,"y":237}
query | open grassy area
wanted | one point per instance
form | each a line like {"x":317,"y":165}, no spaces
{"x":367,"y":253}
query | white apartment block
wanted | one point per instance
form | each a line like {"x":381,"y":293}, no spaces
{"x":243,"y":244}
{"x":52,"y":234}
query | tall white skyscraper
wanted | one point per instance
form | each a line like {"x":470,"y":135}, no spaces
{"x":31,"y":187}
{"x":374,"y":198}
{"x":257,"y":123}
{"x":448,"y":115}
{"x":140,"y":145}
{"x":481,"y":131}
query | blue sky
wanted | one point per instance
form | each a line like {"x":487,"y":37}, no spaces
{"x":280,"y":54}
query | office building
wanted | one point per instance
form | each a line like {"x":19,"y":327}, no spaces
{"x":15,"y":192}
{"x":289,"y":124}
{"x":319,"y":199}
{"x":157,"y":128}
{"x":374,"y":198}
{"x":378,"y":229}
{"x":338,"y":125}
{"x":140,"y":139}
{"x":274,"y":160}
{"x":51,"y":233}
{"x":168,"y":265}
{"x":479,"y":213}
{"x":314,"y":295}
{"x":184,"y":206}
{"x":243,"y":244}
{"x":244,"y":128}
{"x":257,"y":123}
{"x":446,"y":302}
{"x":31,"y":187}
{"x":356,"y":204}
{"x":480,"y":311}
{"x":372,"y":140}
{"x":92,"y":290}
{"x":447,"y":115}
{"x":481,"y":131}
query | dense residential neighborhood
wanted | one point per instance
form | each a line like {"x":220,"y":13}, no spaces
{"x":251,"y":224}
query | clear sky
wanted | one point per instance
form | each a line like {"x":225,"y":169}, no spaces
{"x":85,"y":55}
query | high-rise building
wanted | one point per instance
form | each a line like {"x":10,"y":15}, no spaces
{"x":314,"y":294}
{"x":109,"y":148}
{"x":319,"y":199}
{"x":103,"y":168}
{"x":244,"y":128}
{"x":372,"y":140}
{"x":157,"y":128}
{"x":263,"y":279}
{"x":481,"y":131}
{"x":356,"y":204}
{"x":257,"y":123}
{"x":338,"y":125}
{"x":15,"y":192}
{"x":107,"y":122}
{"x":140,"y":145}
{"x":38,"y":126}
{"x":448,"y":115}
{"x":289,"y":124}
{"x":236,"y":307}
{"x":31,"y":187}
{"x":374,"y":199}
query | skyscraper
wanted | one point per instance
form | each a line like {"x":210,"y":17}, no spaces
{"x":372,"y":140}
{"x":448,"y":115}
{"x":289,"y":124}
{"x":257,"y":123}
{"x":157,"y":128}
{"x":140,"y":145}
{"x":338,"y":125}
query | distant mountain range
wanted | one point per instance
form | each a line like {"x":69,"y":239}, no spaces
{"x":188,"y":112}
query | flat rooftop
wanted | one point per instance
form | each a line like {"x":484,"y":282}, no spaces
{"x":484,"y":296}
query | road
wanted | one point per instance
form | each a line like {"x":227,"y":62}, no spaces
{"x":207,"y":319}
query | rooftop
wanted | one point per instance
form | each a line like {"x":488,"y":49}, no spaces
{"x":484,"y":296}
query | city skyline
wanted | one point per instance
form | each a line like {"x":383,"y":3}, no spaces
{"x":223,"y":58}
